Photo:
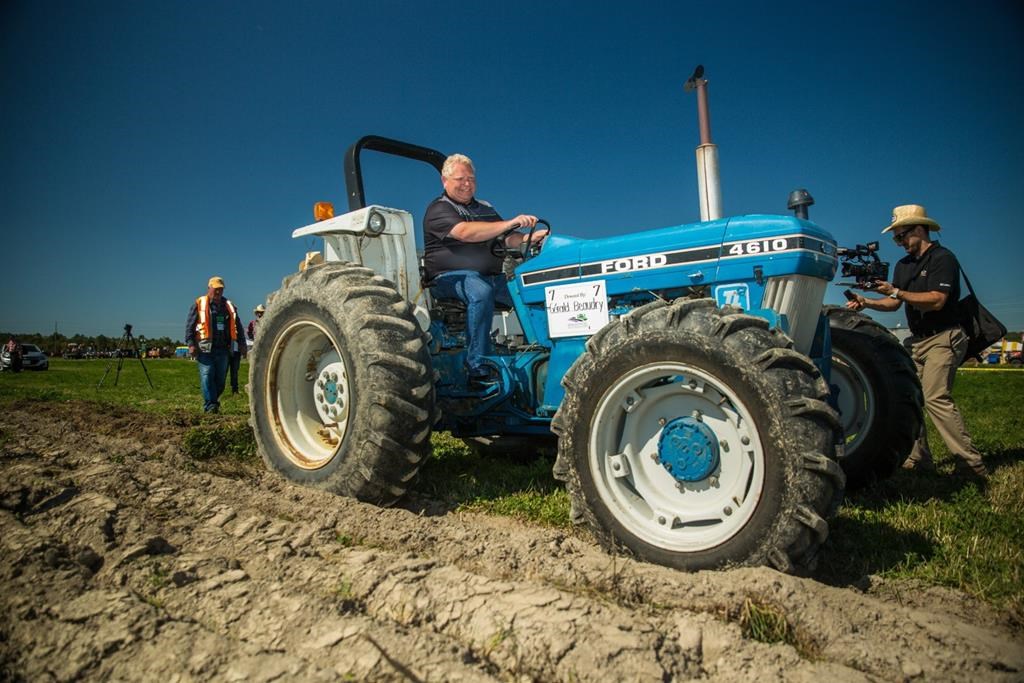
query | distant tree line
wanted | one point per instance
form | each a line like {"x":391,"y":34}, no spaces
{"x":56,"y":344}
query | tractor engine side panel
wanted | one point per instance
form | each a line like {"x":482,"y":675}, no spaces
{"x":727,"y":257}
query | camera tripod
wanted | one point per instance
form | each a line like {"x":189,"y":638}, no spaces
{"x":127,"y":342}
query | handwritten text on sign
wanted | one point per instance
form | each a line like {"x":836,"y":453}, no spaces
{"x":576,"y":310}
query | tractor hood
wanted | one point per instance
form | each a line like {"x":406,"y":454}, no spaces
{"x":737,"y":248}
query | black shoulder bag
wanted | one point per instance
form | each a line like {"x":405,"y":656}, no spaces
{"x":982,"y":328}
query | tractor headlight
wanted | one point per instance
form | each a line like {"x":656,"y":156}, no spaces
{"x":376,"y":224}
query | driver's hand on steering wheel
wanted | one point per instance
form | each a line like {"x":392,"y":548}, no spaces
{"x":523,"y":220}
{"x":516,"y":239}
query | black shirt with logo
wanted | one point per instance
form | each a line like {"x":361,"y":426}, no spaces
{"x":937,"y":270}
{"x":442,"y":252}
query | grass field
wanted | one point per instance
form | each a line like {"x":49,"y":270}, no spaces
{"x":936,"y":528}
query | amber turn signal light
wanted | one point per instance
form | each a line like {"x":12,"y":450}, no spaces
{"x":322,"y":211}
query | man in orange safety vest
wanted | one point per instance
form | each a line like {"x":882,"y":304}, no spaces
{"x":213,"y":332}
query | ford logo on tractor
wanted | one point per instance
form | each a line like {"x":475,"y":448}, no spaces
{"x":621,"y":265}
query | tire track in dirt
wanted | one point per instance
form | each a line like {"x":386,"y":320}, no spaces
{"x":119,"y":565}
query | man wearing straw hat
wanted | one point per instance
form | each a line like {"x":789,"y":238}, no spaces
{"x":250,"y":331}
{"x":927,"y":279}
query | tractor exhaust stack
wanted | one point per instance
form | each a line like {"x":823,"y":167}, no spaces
{"x":708,"y":182}
{"x":798,"y":202}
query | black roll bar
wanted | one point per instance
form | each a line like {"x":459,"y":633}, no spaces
{"x":376,"y":143}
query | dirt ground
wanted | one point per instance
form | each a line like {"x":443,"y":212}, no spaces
{"x":120,"y":560}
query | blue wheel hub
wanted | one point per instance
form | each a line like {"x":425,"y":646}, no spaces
{"x":331,"y":391}
{"x":688,"y":449}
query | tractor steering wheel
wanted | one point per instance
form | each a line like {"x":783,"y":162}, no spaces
{"x":526,"y":250}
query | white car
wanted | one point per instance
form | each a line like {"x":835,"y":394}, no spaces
{"x":32,"y":358}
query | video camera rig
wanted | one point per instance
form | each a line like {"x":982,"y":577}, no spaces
{"x":863,"y":265}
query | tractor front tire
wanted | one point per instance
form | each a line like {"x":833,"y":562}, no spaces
{"x":670,"y":381}
{"x":878,"y":394}
{"x":341,"y":387}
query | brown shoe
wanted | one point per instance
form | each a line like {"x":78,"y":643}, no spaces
{"x":921,"y":465}
{"x":974,"y":469}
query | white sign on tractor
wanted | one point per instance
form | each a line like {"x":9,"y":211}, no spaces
{"x":576,"y":310}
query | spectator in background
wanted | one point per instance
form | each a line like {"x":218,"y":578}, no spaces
{"x":213,"y":332}
{"x":14,"y":349}
{"x":250,"y":332}
{"x":234,"y":363}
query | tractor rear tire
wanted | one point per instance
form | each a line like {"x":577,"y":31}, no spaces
{"x":878,"y":394}
{"x":342,"y":394}
{"x":761,"y":407}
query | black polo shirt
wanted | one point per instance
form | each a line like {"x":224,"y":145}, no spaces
{"x":442,"y":252}
{"x":936,"y":271}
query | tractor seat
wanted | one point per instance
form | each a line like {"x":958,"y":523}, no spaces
{"x":450,"y":305}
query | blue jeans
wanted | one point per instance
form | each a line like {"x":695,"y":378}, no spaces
{"x":478,"y":292}
{"x":213,"y":371}
{"x":233,"y":365}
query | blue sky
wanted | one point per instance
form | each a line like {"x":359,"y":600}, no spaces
{"x":145,"y":146}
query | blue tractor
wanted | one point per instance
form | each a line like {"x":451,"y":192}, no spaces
{"x":707,"y":410}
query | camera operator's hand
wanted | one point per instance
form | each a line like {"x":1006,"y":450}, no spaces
{"x":883,"y":287}
{"x":886,"y":303}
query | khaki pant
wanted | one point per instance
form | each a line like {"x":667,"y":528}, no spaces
{"x":937,"y":358}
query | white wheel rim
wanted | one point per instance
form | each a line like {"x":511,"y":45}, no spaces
{"x":855,"y":399}
{"x":681,"y":516}
{"x":310,"y":395}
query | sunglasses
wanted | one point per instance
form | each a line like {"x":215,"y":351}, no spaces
{"x":899,"y":237}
